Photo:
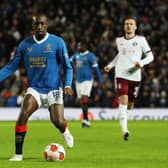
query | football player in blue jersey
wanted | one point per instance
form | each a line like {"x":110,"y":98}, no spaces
{"x":43,"y":55}
{"x":86,"y":66}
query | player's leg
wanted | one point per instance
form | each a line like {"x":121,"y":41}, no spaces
{"x":56,"y":108}
{"x":132,"y":94}
{"x":115,"y":101}
{"x":29,"y":105}
{"x":122,"y":91}
{"x":84,"y":100}
{"x":133,"y":88}
{"x":130,"y":106}
{"x":83,"y":92}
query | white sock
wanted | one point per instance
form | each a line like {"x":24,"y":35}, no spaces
{"x":123,"y":117}
{"x":66,"y":131}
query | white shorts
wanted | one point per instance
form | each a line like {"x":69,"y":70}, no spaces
{"x":53,"y":97}
{"x":84,"y":88}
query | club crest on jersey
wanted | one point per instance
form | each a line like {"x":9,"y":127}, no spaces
{"x":135,"y":43}
{"x":29,"y":49}
{"x":48,"y":48}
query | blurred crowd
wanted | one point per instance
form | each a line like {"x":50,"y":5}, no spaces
{"x":100,"y":22}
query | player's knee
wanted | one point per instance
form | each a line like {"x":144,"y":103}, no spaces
{"x":23,"y":117}
{"x":123,"y":99}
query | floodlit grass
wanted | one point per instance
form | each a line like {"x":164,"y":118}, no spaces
{"x":101,"y":146}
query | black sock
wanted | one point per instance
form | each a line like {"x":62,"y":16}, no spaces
{"x":85,"y":111}
{"x":19,"y":139}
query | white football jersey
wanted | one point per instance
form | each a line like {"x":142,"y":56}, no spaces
{"x":129,"y":52}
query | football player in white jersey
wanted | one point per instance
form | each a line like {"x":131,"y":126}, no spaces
{"x":128,"y":64}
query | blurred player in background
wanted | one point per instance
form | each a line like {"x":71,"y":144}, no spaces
{"x":43,"y":54}
{"x":86,"y":66}
{"x":128,"y":64}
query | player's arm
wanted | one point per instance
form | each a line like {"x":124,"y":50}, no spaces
{"x":149,"y":58}
{"x":65,"y":62}
{"x":139,"y":65}
{"x":12,"y":65}
{"x":148,"y":53}
{"x":96,"y":68}
{"x":72,"y":61}
{"x":98,"y":74}
{"x":146,"y":60}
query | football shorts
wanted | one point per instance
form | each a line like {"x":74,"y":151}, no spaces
{"x":53,"y":97}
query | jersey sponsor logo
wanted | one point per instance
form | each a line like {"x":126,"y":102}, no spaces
{"x":38,"y":62}
{"x":79,"y":63}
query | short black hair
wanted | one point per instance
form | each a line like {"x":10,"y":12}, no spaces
{"x":84,"y":42}
{"x":40,"y":15}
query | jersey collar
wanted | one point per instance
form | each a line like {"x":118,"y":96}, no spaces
{"x":129,"y":38}
{"x":40,"y":41}
{"x":84,"y":53}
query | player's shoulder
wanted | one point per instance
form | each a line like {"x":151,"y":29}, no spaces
{"x":27,"y":41}
{"x":55,"y":37}
{"x":90,"y":54}
{"x":140,"y":37}
{"x":120,"y":38}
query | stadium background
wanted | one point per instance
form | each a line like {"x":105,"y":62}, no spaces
{"x":99,"y":21}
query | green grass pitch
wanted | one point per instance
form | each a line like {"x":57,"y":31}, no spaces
{"x":101,"y":146}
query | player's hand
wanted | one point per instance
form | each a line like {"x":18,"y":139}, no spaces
{"x":138,"y":65}
{"x":135,"y":68}
{"x":68,"y":91}
{"x":107,"y":68}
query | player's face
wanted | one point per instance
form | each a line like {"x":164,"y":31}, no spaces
{"x":130,"y":26}
{"x":81,"y":47}
{"x":40,"y":26}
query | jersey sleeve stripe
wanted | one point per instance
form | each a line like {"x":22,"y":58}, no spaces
{"x":148,"y":51}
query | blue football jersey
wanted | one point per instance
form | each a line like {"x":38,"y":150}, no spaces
{"x":43,"y":61}
{"x":86,"y":65}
